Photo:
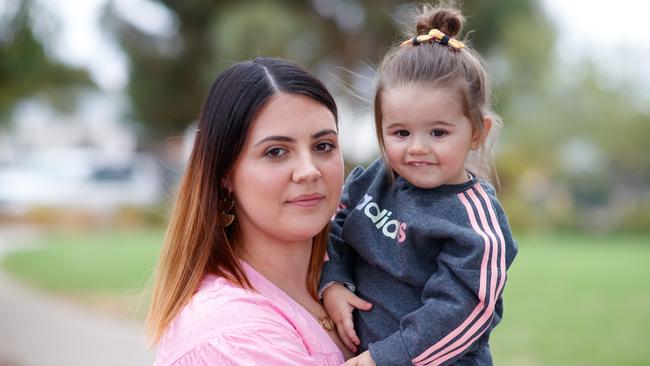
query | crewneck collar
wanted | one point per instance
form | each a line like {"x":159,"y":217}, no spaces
{"x":403,"y":184}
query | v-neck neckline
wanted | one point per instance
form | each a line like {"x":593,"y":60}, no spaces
{"x":271,"y":291}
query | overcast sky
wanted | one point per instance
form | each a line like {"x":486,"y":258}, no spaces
{"x":615,"y":34}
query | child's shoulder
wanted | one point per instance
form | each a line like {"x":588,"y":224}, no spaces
{"x":478,"y":188}
{"x":488,"y":192}
{"x":488,"y":188}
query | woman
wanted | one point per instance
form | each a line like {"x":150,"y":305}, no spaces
{"x":237,"y":277}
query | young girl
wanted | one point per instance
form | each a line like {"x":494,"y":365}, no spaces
{"x":420,"y":234}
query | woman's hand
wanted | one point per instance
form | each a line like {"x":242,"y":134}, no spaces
{"x":364,"y":359}
{"x":339,"y":303}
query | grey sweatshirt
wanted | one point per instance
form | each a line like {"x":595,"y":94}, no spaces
{"x":431,"y":261}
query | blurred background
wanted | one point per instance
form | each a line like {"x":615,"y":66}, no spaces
{"x":98,"y":103}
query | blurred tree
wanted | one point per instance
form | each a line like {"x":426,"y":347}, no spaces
{"x":169,"y":77}
{"x":26,"y":70}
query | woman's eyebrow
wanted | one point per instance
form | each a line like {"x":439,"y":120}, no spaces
{"x":323,"y":133}
{"x":291,"y":139}
{"x":275,"y":138}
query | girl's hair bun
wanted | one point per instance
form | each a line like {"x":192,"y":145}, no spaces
{"x":447,"y":20}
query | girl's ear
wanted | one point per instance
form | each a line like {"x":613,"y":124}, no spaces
{"x":478,"y":138}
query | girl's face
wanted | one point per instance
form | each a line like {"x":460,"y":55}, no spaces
{"x":426,"y":135}
{"x":287,"y":179}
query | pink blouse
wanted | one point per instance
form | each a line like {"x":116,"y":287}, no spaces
{"x":227,"y":325}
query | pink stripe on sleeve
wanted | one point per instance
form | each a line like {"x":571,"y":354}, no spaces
{"x":497,"y":227}
{"x":447,"y":353}
{"x":422,"y":358}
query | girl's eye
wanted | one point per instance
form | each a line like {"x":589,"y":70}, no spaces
{"x":402,"y":133}
{"x":439,"y":133}
{"x":275,"y":152}
{"x":325,"y":147}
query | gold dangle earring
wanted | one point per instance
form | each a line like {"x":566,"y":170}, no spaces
{"x":225,"y":207}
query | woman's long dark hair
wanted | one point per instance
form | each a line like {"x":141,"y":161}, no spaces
{"x":195,"y":244}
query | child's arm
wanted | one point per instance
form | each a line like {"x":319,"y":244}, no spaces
{"x":337,"y":277}
{"x":340,"y":259}
{"x":461,"y":299}
{"x":339,"y":303}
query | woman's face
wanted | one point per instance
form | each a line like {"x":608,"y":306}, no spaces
{"x":287,"y":179}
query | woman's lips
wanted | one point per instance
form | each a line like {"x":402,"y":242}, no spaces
{"x":307,"y":200}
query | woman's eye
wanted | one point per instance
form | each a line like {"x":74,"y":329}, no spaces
{"x":275,"y":152}
{"x":439,"y":133}
{"x":402,"y":133}
{"x":325,"y":146}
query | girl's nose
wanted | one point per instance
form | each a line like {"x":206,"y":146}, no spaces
{"x":418,"y":147}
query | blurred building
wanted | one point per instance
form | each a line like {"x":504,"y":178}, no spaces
{"x":86,"y":160}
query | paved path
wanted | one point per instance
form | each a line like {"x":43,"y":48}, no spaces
{"x":39,"y":330}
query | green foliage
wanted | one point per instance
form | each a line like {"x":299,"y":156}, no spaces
{"x":27,"y":71}
{"x":168,"y":87}
{"x":635,"y":218}
{"x":244,"y":30}
{"x":491,"y":20}
{"x":583,"y":140}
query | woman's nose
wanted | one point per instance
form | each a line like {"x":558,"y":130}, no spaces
{"x":305,"y":171}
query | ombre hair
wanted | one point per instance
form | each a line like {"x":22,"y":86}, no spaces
{"x":436,"y":65}
{"x":195,"y":244}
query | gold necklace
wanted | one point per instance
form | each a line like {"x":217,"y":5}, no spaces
{"x":324,"y":320}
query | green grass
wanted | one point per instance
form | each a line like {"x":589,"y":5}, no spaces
{"x":574,"y":300}
{"x":570,"y":299}
{"x":104,"y":263}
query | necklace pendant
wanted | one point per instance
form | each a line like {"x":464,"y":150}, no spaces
{"x":326,"y":323}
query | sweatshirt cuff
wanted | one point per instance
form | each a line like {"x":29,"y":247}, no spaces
{"x":349,"y":286}
{"x":334,"y":271}
{"x":390,"y":351}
